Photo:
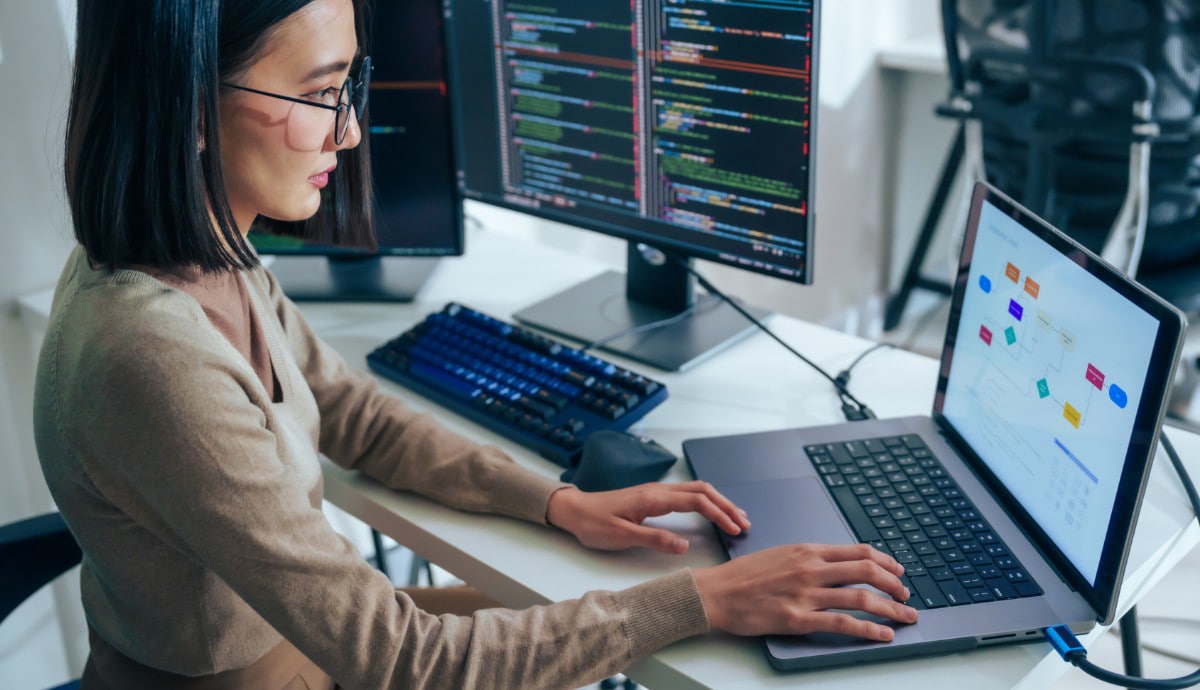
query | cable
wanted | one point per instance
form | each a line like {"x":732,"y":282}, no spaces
{"x":1069,"y":648}
{"x":661,"y":323}
{"x":853,"y":408}
{"x":844,"y":374}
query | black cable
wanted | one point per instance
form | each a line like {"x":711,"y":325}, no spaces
{"x":853,"y":408}
{"x":1068,"y":647}
{"x":844,"y":374}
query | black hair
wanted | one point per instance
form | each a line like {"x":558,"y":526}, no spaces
{"x":143,"y":166}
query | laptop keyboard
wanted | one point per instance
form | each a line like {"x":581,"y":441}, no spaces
{"x":899,"y":499}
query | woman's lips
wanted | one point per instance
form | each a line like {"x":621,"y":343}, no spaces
{"x":321,"y":179}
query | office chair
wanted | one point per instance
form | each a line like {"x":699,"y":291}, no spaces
{"x":34,"y":552}
{"x":1085,"y":111}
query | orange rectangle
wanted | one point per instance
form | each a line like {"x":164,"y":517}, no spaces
{"x":1071,"y":415}
{"x":1012,"y":272}
{"x":1032,"y":287}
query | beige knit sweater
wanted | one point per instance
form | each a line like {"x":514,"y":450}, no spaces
{"x":196,"y":500}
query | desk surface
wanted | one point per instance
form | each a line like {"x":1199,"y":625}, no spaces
{"x":922,"y":53}
{"x":753,"y":386}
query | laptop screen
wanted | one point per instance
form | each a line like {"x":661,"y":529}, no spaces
{"x":1050,"y":378}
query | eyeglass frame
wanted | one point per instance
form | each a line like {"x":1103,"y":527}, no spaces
{"x":362,"y":85}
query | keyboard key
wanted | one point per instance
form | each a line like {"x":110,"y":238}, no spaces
{"x":1001,"y":589}
{"x":942,"y":573}
{"x":925,"y":588}
{"x":955,"y":593}
{"x":980,"y":595}
{"x":1016,"y":575}
{"x":1027,"y":589}
{"x":925,"y":549}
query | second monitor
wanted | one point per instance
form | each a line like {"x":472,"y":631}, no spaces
{"x":682,"y":125}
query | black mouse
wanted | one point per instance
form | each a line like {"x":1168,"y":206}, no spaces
{"x":616,"y":459}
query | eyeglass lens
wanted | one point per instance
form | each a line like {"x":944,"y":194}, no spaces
{"x":353,"y":96}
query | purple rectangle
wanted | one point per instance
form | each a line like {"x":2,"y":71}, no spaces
{"x":1094,"y":376}
{"x":1015,"y":309}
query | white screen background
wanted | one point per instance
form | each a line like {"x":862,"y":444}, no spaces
{"x":1040,"y":404}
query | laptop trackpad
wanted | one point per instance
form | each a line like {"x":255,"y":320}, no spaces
{"x":785,"y":511}
{"x":798,"y":511}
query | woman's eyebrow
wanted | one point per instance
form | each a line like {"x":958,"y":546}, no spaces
{"x":326,"y":70}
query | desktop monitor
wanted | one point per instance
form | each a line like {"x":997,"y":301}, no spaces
{"x":417,"y":209}
{"x":682,"y":126}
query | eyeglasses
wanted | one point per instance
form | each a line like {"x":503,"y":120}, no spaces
{"x":353,"y":94}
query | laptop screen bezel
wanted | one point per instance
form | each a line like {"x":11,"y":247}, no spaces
{"x":1102,"y":594}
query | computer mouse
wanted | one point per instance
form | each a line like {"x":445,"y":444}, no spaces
{"x":616,"y":459}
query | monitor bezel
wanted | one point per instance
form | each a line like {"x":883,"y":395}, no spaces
{"x":1101,"y":594}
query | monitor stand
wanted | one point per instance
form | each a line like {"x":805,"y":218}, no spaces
{"x":352,"y":278}
{"x":612,"y":303}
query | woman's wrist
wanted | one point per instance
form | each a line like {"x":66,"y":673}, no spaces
{"x":706,"y":579}
{"x":561,"y":507}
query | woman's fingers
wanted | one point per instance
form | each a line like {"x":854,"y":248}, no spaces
{"x":845,"y":624}
{"x":868,"y":572}
{"x":861,"y":599}
{"x":654,"y":538}
{"x":836,"y":553}
{"x":687,"y":501}
{"x":727,"y":506}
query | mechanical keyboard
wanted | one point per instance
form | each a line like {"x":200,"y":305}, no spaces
{"x":533,"y":390}
{"x":899,"y":498}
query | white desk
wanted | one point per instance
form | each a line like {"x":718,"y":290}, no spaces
{"x":753,"y":386}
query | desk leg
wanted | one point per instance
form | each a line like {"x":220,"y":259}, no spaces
{"x":380,"y":554}
{"x":1131,"y":646}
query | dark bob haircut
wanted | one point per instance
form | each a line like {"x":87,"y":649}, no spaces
{"x":142,"y":188}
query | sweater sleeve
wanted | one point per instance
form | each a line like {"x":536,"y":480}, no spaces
{"x":364,"y":429}
{"x":188,"y":452}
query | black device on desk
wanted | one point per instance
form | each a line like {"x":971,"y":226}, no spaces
{"x":538,"y":392}
{"x":685,"y":125}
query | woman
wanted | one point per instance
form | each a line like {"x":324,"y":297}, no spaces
{"x":182,"y":400}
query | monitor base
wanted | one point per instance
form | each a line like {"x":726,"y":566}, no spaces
{"x":353,"y":279}
{"x":598,"y":308}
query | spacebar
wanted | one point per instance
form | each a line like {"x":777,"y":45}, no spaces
{"x":860,"y":522}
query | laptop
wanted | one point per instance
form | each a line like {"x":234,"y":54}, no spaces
{"x":1012,"y":505}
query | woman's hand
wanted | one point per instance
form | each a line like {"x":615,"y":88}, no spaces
{"x":787,"y":589}
{"x":612,"y":520}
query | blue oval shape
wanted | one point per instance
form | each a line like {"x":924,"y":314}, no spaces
{"x":985,"y":284}
{"x":1118,"y":396}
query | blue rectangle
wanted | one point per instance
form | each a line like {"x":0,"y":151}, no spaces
{"x":1077,"y":461}
{"x":1015,"y":309}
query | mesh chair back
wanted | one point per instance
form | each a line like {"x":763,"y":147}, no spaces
{"x":1056,"y":83}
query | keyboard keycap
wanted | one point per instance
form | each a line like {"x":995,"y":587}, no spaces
{"x":925,"y":588}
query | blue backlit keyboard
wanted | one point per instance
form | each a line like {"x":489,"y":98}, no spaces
{"x":536,"y":391}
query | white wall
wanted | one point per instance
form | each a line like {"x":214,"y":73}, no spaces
{"x":34,"y":241}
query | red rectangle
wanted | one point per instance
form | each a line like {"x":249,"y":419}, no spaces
{"x":985,"y":335}
{"x":1094,"y":375}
